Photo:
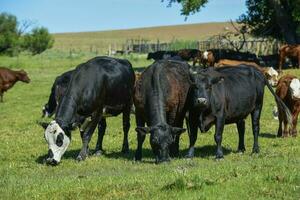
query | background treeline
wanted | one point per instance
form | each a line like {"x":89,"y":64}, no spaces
{"x":14,"y":37}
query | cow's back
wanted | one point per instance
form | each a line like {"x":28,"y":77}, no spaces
{"x":244,"y":89}
{"x":101,"y":80}
{"x":163,"y":85}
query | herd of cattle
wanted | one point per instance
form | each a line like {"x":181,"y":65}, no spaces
{"x":165,"y":94}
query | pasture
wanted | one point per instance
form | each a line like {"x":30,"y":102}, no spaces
{"x":272,"y":174}
{"x":100,"y":41}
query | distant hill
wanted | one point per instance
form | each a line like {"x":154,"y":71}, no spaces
{"x":100,"y":41}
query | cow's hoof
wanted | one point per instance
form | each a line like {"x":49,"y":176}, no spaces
{"x":189,"y":156}
{"x":219,"y":155}
{"x":255,"y":150}
{"x":241,"y":150}
{"x":99,"y":153}
{"x":174,"y":154}
{"x":80,"y":158}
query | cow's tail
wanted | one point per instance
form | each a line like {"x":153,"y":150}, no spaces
{"x":281,"y":104}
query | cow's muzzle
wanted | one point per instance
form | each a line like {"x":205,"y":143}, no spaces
{"x":51,"y":161}
{"x":201,"y":101}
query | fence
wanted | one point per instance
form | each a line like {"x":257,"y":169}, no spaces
{"x":259,"y":47}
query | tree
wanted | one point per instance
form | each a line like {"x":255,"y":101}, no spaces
{"x":38,"y":40}
{"x":189,"y":6}
{"x":13,"y":38}
{"x":276,"y":18}
{"x":8,"y":32}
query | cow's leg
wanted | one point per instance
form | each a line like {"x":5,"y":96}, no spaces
{"x":101,"y":132}
{"x":280,"y":119}
{"x":126,"y":127}
{"x":86,"y":137}
{"x":1,"y":96}
{"x":281,"y":59}
{"x":294,"y":128}
{"x":194,"y":61}
{"x":174,"y":147}
{"x":255,"y":116}
{"x":192,"y":125}
{"x":220,"y":122}
{"x":140,"y":138}
{"x":241,"y":130}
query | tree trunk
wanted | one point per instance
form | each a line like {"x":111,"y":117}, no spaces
{"x":284,"y":20}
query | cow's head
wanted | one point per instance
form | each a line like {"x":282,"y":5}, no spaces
{"x":22,"y":76}
{"x":272,"y":76}
{"x":295,"y":88}
{"x":204,"y":81}
{"x":161,"y":137}
{"x":58,"y":143}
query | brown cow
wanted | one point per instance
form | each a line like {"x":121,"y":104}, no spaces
{"x":270,"y":73}
{"x":9,"y":77}
{"x":208,"y":59}
{"x":288,"y":89}
{"x":190,"y":54}
{"x":291,"y":51}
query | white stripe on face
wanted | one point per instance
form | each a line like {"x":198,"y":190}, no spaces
{"x":295,"y":88}
{"x":53,"y":133}
{"x":205,"y":55}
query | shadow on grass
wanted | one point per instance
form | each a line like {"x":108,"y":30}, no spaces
{"x":206,"y":151}
{"x":72,"y":154}
{"x":267,"y":135}
{"x":202,"y":152}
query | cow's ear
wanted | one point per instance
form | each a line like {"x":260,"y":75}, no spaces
{"x":142,"y":130}
{"x":177,"y":131}
{"x":43,"y":124}
{"x":216,"y":79}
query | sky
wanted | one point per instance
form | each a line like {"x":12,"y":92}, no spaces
{"x":98,"y":15}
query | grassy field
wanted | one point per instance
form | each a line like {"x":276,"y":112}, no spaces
{"x":272,"y":174}
{"x":100,"y":41}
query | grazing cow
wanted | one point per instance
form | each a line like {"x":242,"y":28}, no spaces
{"x":9,"y":77}
{"x":288,"y":89}
{"x":212,"y":56}
{"x":270,"y":73}
{"x":101,"y":82}
{"x":161,"y":102}
{"x":190,"y":54}
{"x":289,"y":51}
{"x":228,"y":95}
{"x":159,"y":55}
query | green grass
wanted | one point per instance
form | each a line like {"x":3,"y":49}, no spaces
{"x":272,"y":174}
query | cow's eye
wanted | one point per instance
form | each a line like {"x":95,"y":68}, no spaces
{"x":60,"y":140}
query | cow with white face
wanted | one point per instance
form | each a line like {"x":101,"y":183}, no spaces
{"x":288,"y":89}
{"x":58,"y":142}
{"x":99,"y":86}
{"x":271,"y":75}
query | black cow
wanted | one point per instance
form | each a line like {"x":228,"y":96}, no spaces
{"x":228,"y":95}
{"x":159,"y":55}
{"x":101,"y":82}
{"x":57,"y":92}
{"x":161,"y":102}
